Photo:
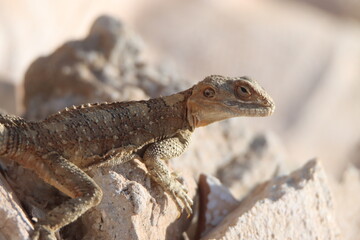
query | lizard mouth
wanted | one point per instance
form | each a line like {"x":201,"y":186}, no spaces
{"x":251,"y":109}
{"x":258,"y":112}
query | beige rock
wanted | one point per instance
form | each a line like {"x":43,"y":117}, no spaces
{"x":29,"y":31}
{"x":133,"y":207}
{"x":104,"y":66}
{"x":263,"y":159}
{"x":343,"y":8}
{"x":215,"y":202}
{"x":81,"y":71}
{"x":14,"y":223}
{"x":346,"y":200}
{"x":298,"y":206}
{"x":10,"y":94}
{"x":355,"y":155}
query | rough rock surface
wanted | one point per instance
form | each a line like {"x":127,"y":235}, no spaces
{"x":343,"y":8}
{"x":263,"y":159}
{"x":298,"y":206}
{"x":133,"y":207}
{"x":10,"y":96}
{"x":14,"y":223}
{"x":105,"y":66}
{"x":215,"y":202}
{"x":346,"y":194}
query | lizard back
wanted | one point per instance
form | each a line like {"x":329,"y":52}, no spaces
{"x":81,"y":132}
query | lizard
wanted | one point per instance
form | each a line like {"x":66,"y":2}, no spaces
{"x":63,"y":147}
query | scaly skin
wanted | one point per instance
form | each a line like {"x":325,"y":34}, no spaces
{"x":61,"y":148}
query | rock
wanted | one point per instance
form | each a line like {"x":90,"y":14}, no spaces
{"x":263,"y":159}
{"x":298,"y":206}
{"x":133,"y":207}
{"x":14,"y":224}
{"x":346,"y":200}
{"x":215,"y":202}
{"x":80,"y":71}
{"x":343,"y":8}
{"x":10,"y":93}
{"x":355,"y":155}
{"x":105,"y":66}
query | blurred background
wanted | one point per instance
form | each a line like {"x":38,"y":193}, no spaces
{"x":306,"y":54}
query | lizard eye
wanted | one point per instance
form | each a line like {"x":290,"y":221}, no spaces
{"x":209,"y":92}
{"x":243,"y":92}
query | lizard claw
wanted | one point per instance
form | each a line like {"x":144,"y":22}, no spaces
{"x":181,"y":198}
{"x":42,"y":233}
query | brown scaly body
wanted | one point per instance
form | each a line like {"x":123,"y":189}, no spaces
{"x":65,"y":145}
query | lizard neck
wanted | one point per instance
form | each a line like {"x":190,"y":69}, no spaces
{"x":176,"y":105}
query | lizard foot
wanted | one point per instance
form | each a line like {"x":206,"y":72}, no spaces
{"x":42,"y":233}
{"x":179,"y":194}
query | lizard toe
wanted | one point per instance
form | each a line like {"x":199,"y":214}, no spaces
{"x":43,"y":233}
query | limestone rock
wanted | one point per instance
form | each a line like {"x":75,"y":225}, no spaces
{"x":298,"y":206}
{"x":343,"y":8}
{"x":10,"y":93}
{"x":347,"y":197}
{"x":355,"y":155}
{"x":133,"y":207}
{"x":215,"y":202}
{"x":14,"y":223}
{"x":105,"y":66}
{"x":83,"y":70}
{"x":263,"y":159}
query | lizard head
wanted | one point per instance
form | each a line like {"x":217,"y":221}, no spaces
{"x":217,"y":98}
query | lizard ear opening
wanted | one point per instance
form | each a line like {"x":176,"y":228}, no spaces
{"x":209,"y":92}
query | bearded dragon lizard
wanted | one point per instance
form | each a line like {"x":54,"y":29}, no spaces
{"x":64,"y":146}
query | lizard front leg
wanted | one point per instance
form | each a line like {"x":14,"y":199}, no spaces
{"x":154,"y":157}
{"x":71,"y":180}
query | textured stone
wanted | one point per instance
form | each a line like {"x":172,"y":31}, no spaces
{"x":104,"y":66}
{"x":346,"y":194}
{"x":133,"y":207}
{"x":263,"y":159}
{"x":14,"y":223}
{"x":343,"y":8}
{"x":298,"y":206}
{"x":10,"y":94}
{"x":215,"y":202}
{"x":79,"y":71}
